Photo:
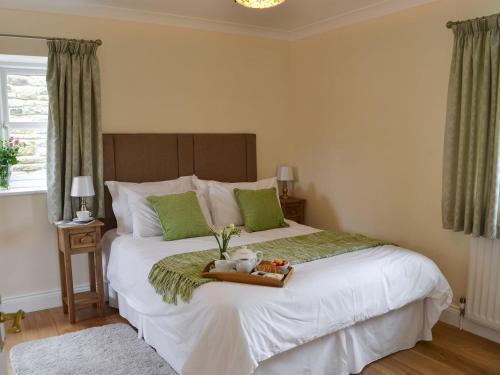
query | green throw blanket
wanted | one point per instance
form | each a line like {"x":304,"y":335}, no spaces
{"x":178,"y":275}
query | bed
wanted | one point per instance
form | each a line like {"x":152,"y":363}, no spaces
{"x":335,"y":315}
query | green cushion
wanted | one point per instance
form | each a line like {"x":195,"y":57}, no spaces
{"x":260,"y":209}
{"x":180,"y":216}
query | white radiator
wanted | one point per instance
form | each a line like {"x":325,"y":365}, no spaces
{"x":483,"y":289}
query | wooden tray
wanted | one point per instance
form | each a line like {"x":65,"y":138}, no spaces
{"x":246,"y":278}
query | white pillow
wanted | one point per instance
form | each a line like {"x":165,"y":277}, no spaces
{"x":145,"y":220}
{"x":223,"y":205}
{"x":120,"y":203}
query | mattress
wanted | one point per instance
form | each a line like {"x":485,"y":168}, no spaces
{"x":231,"y":328}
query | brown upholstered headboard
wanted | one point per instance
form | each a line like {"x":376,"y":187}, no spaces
{"x":159,"y":157}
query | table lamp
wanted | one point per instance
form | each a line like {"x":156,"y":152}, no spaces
{"x":82,"y":187}
{"x":285,"y":174}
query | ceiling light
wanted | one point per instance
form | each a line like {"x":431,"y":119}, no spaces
{"x":259,"y":4}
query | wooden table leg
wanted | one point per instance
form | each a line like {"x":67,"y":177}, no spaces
{"x":62,"y":275}
{"x":100,"y":281}
{"x":92,"y":271}
{"x":69,"y":287}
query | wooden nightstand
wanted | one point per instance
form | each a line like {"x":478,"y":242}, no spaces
{"x":81,"y":239}
{"x":294,"y":209}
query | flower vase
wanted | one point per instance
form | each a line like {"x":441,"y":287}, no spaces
{"x":5,"y":173}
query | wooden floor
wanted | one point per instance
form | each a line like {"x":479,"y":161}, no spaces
{"x":451,"y":352}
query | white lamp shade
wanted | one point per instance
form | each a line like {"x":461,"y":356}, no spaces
{"x":82,"y":187}
{"x":285,"y":173}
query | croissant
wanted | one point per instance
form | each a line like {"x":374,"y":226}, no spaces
{"x":267,"y":267}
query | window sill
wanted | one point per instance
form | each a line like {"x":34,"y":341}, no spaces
{"x":22,"y":191}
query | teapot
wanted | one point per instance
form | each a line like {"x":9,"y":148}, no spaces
{"x":244,"y":253}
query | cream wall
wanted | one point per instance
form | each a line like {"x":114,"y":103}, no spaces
{"x":154,"y":79}
{"x":369,"y":102}
{"x":359,"y":111}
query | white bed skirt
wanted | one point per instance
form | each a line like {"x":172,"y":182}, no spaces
{"x":346,"y":351}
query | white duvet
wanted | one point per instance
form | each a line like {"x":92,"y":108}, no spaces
{"x":229,"y":328}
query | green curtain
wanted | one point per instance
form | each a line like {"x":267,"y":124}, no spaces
{"x":74,"y":138}
{"x":471,"y":174}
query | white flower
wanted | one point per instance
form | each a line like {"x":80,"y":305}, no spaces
{"x":231,"y":226}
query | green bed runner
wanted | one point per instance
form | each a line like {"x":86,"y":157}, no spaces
{"x":178,"y":275}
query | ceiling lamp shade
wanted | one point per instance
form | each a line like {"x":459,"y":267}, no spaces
{"x":259,"y":4}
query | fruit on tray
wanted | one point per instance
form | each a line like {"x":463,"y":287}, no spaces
{"x":280,"y":262}
{"x":281,"y":265}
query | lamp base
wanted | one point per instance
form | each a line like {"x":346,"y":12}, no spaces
{"x":284,"y":195}
{"x":83,"y":204}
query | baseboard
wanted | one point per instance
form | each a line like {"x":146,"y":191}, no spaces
{"x":452,"y":316}
{"x":38,"y":300}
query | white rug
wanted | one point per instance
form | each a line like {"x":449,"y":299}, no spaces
{"x":111,"y":349}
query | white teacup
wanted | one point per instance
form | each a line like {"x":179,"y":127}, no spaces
{"x":83,"y":215}
{"x":245,"y":265}
{"x":224,"y":265}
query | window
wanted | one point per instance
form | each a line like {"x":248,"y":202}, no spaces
{"x":23,"y":113}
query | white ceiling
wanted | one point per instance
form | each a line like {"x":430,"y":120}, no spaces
{"x":292,"y":20}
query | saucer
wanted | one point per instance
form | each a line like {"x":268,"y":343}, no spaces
{"x":78,"y":221}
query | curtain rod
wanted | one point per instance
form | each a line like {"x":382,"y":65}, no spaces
{"x":450,"y":24}
{"x":98,"y":41}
